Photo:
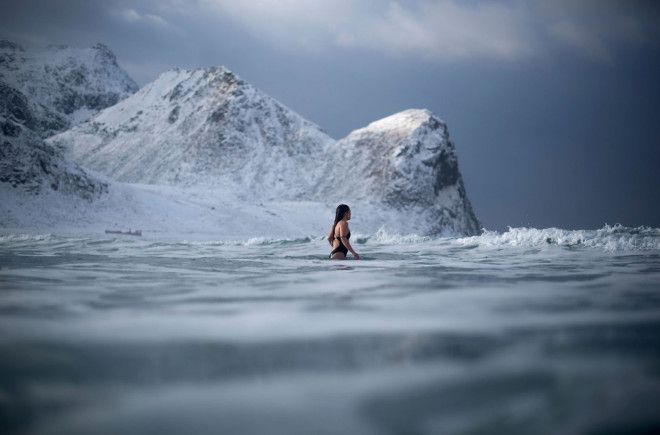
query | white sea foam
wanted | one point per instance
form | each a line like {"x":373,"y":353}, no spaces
{"x":609,"y":238}
{"x":24,"y":237}
{"x":382,"y":235}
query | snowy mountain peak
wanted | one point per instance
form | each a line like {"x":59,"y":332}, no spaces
{"x":64,"y":85}
{"x":405,"y":121}
{"x":405,"y":161}
{"x":43,"y":91}
{"x":105,"y":53}
{"x":404,"y":135}
{"x":204,"y":126}
{"x":208,"y":128}
{"x":177,"y":83}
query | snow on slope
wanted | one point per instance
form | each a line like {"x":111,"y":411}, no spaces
{"x":64,"y":85}
{"x":43,"y":91}
{"x":163,"y":212}
{"x":205,"y":127}
{"x":30,"y":165}
{"x":406,"y":162}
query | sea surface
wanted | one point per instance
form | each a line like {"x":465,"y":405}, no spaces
{"x":527,"y":331}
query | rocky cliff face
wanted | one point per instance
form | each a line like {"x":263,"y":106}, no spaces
{"x":29,"y":164}
{"x":63,"y":85}
{"x":208,"y":127}
{"x":202,"y":127}
{"x":44,"y":91}
{"x":404,"y":162}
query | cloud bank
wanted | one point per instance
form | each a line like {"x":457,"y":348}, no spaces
{"x":131,"y":15}
{"x":442,"y":30}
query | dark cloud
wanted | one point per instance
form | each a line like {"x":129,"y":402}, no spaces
{"x":554,"y":105}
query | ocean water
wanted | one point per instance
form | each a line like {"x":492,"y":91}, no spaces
{"x":523,"y":332}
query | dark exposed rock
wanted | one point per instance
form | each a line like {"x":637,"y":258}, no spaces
{"x":446,"y":168}
{"x":62,"y":84}
{"x":14,"y":106}
{"x":29,"y":164}
{"x":10,"y":129}
{"x":77,"y":76}
{"x":220,"y":113}
{"x":10,"y":53}
{"x":174,"y":115}
{"x":105,"y":54}
{"x":6,"y":44}
{"x":175,"y":92}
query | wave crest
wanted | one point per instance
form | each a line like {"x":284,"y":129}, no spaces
{"x":25,"y":237}
{"x":610,"y":238}
{"x":387,"y":238}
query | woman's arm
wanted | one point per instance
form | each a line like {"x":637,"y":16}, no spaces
{"x":343,"y":232}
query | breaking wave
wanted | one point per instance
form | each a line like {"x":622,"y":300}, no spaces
{"x":609,"y":238}
{"x":9,"y":238}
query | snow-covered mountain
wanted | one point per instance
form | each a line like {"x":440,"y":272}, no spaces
{"x":406,"y":162}
{"x":208,"y":127}
{"x":44,"y":91}
{"x":209,"y":130}
{"x":63,"y":85}
{"x":29,"y":164}
{"x":205,"y":127}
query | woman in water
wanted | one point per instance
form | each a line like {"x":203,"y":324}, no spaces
{"x":339,"y":234}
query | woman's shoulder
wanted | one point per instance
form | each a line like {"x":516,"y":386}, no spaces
{"x":342,"y":225}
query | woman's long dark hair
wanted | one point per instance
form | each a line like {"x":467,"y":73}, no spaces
{"x":342,"y":209}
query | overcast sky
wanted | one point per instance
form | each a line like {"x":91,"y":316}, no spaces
{"x":554,"y":106}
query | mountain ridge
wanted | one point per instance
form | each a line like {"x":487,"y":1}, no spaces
{"x":204,"y":126}
{"x":43,"y":91}
{"x":407,"y":162}
{"x":207,"y":128}
{"x":64,"y":85}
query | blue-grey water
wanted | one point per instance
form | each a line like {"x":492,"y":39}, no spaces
{"x":524,"y":332}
